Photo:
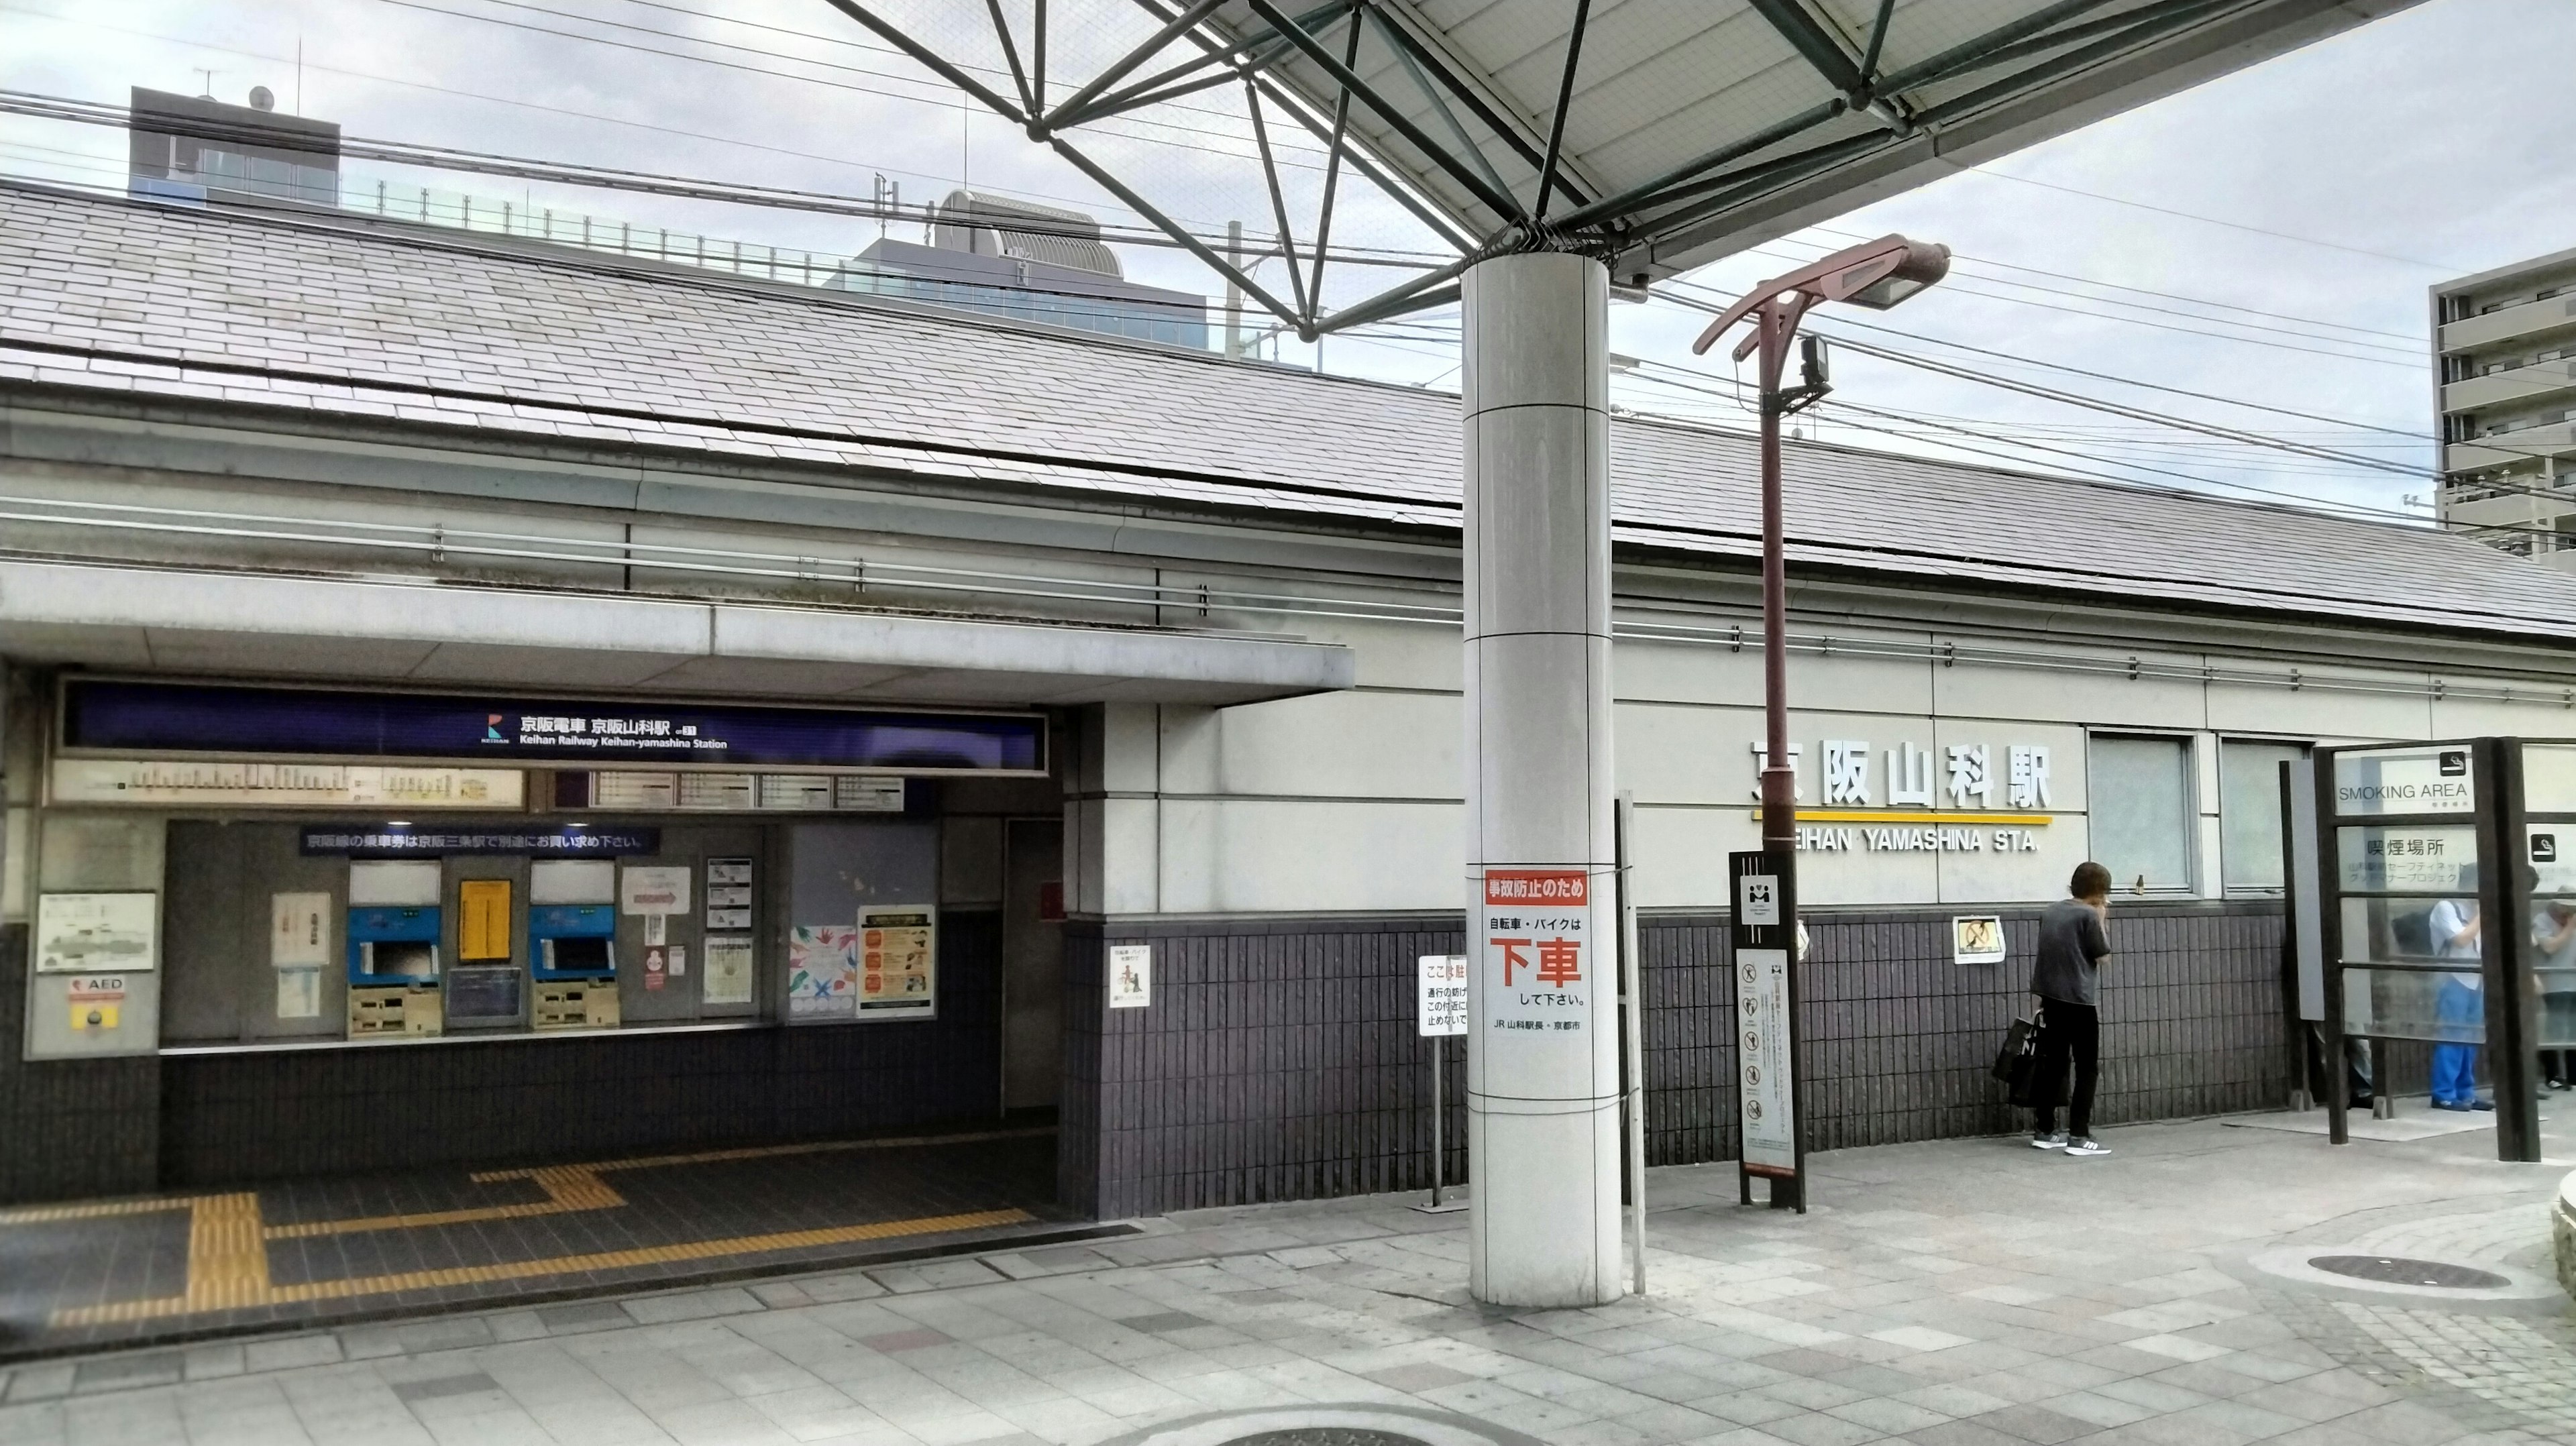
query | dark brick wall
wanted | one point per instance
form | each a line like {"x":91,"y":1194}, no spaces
{"x":1279,"y":1059}
{"x":69,"y":1128}
{"x":231,"y":1118}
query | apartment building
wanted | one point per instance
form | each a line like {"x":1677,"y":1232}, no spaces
{"x":2504,"y":345}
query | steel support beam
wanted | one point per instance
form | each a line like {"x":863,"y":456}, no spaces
{"x":1822,"y":52}
{"x":1564,"y":98}
{"x":1500,"y":203}
{"x":929,"y":59}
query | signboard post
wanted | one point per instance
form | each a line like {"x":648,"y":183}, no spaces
{"x":1440,"y":1013}
{"x":1764,"y":933}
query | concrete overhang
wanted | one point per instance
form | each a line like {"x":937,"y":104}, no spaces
{"x":395,"y":629}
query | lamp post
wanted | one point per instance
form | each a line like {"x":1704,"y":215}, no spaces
{"x":1877,"y":275}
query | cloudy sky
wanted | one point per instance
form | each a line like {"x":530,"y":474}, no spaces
{"x":2266,"y":238}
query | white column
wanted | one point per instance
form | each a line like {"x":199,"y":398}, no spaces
{"x":1542,"y":1053}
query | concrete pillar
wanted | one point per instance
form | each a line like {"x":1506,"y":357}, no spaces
{"x":1542,"y":1047}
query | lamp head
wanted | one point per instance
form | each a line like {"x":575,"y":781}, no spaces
{"x":1875,"y":274}
{"x":1886,"y":279}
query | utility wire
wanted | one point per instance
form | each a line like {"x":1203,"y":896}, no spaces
{"x":2111,"y":286}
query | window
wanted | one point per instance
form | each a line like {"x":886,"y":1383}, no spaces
{"x":2249,"y":812}
{"x":2142,"y":811}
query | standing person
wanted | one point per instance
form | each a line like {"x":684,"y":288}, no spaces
{"x":2459,"y":1006}
{"x":2068,"y":980}
{"x":2553,"y":967}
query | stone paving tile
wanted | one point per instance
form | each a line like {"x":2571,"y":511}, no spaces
{"x":2109,"y":1306}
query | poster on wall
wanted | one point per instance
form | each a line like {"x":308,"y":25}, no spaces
{"x":898,"y":963}
{"x":299,"y":992}
{"x":650,"y":889}
{"x":96,"y":933}
{"x":822,"y":972}
{"x":729,"y":893}
{"x":299,"y":933}
{"x":728,"y":978}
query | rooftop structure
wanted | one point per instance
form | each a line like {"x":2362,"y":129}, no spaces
{"x":1017,"y":259}
{"x":197,"y":148}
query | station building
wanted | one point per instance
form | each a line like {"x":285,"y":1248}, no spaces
{"x":472,"y":702}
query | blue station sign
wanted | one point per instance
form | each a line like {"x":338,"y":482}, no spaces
{"x":133,"y":717}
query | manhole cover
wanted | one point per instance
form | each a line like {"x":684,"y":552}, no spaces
{"x":1328,"y":1437}
{"x":2397,"y":1270}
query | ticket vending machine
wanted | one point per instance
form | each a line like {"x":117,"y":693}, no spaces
{"x":393,"y":938}
{"x":572,"y":952}
{"x":393,"y":970}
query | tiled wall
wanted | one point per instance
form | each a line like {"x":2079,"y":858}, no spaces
{"x":230,"y":1118}
{"x":1279,"y":1058}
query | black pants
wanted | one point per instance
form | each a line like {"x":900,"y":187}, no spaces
{"x":2068,"y":1030}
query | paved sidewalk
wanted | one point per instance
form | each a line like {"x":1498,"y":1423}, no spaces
{"x":1965,"y":1293}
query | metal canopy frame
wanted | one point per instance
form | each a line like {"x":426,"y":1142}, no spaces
{"x":1449,"y":146}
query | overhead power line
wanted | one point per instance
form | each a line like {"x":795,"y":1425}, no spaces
{"x":448,"y":158}
{"x":2218,"y":221}
{"x":2124,"y":286}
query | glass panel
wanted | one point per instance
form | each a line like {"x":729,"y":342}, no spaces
{"x":2400,"y":931}
{"x":2412,"y":1004}
{"x":2553,"y":968}
{"x":2422,"y":860}
{"x":2550,"y":849}
{"x":2558,"y":1009}
{"x":2141,"y":811}
{"x":2249,"y":812}
{"x":2549,"y":777}
{"x":2404,"y":780}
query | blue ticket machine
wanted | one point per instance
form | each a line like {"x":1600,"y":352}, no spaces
{"x":572,"y":951}
{"x":567,"y":942}
{"x":393,"y":970}
{"x":391,"y":946}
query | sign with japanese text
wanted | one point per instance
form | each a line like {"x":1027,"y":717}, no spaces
{"x":1762,"y":1026}
{"x":2407,"y":860}
{"x":1540,"y":960}
{"x":1131,"y":976}
{"x":2415,"y":779}
{"x":1442,"y":998}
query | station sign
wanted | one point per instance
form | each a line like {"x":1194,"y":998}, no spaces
{"x":134,"y":717}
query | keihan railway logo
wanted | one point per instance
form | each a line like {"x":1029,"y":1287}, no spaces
{"x":492,"y":727}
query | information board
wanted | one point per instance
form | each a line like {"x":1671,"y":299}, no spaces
{"x":1441,"y":995}
{"x":1770,"y":1113}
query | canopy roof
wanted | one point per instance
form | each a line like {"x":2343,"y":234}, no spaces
{"x":1675,"y":131}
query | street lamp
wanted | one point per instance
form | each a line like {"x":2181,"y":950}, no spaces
{"x":1877,"y":275}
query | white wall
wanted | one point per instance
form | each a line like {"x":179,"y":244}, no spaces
{"x":1349,"y":803}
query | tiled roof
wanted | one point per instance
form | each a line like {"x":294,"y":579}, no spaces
{"x":330,"y":315}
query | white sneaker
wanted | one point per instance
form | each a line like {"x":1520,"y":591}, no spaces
{"x":2056,"y":1141}
{"x":2087,"y":1145}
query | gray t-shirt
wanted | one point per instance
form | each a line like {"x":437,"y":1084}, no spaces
{"x":2072,"y":946}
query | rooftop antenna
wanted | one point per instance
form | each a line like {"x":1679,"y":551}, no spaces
{"x":299,"y":75}
{"x":209,"y":74}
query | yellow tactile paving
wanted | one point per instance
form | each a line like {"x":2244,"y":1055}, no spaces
{"x":228,"y":1240}
{"x":568,"y":1188}
{"x":229,"y":1279}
